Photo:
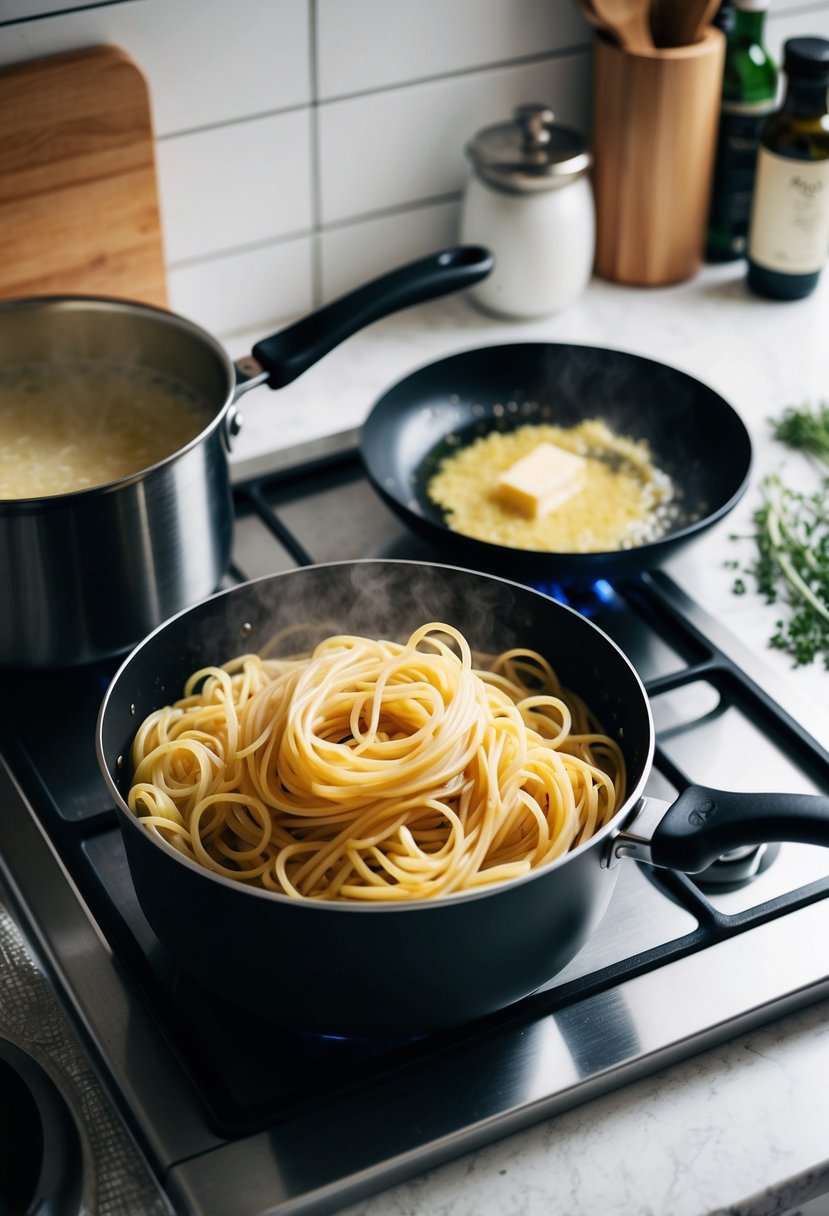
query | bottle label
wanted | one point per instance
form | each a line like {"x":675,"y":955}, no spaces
{"x":790,"y":214}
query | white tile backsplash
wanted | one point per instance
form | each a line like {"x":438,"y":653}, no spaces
{"x":374,"y":44}
{"x":794,"y":21}
{"x":25,"y":10}
{"x":206,"y":61}
{"x":406,"y":144}
{"x":242,"y":292}
{"x":237,"y":184}
{"x":305,"y":146}
{"x":212,"y":62}
{"x":359,"y":251}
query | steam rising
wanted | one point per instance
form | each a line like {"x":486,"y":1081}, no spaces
{"x":382,"y":600}
{"x":289,"y":613}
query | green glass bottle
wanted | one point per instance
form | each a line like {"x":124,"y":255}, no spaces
{"x":789,"y":228}
{"x":749,"y":95}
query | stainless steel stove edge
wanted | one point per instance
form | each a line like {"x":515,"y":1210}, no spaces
{"x":398,"y":1125}
{"x":90,"y":1160}
{"x":417,"y":1119}
{"x":107,"y":1015}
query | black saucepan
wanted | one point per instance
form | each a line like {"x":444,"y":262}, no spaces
{"x":414,"y":967}
{"x":694,"y":434}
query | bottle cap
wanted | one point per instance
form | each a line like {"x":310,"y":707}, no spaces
{"x":807,"y":58}
{"x":531,"y":153}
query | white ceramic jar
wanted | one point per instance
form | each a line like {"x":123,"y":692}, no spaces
{"x":530,"y":201}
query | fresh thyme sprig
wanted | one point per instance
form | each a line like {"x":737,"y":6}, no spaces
{"x":792,"y":564}
{"x":805,"y":428}
{"x":792,"y":539}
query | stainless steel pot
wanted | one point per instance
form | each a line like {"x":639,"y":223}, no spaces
{"x":84,"y":576}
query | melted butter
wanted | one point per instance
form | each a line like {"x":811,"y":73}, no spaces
{"x":624,"y":499}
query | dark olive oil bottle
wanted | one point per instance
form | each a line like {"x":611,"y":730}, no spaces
{"x":789,"y":228}
{"x":749,"y":95}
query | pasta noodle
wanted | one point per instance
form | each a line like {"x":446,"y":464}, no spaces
{"x":375,"y":770}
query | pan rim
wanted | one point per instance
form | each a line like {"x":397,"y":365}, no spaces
{"x":309,"y":903}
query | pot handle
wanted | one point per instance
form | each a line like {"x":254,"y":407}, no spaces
{"x":289,"y":353}
{"x":702,"y":824}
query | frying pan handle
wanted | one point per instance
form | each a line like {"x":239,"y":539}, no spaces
{"x":703,"y":823}
{"x":289,"y":353}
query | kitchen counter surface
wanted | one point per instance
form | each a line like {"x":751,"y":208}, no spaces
{"x":741,"y":1128}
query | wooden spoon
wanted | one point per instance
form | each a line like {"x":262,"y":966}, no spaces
{"x":627,"y":20}
{"x":681,"y":22}
{"x":589,"y":13}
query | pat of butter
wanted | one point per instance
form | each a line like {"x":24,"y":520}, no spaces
{"x":542,"y":480}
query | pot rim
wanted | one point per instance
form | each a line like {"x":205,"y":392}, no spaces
{"x":625,"y":811}
{"x":96,"y":303}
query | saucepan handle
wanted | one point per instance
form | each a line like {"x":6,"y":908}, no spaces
{"x":289,"y":353}
{"x":702,"y":824}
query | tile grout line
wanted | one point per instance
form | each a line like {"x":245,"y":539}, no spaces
{"x":314,"y":160}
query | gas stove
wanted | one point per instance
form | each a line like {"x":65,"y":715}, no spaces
{"x":227,"y":1113}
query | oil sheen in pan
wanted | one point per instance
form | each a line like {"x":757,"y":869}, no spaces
{"x":624,"y":498}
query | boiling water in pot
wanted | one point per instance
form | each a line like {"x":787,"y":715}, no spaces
{"x":72,"y":425}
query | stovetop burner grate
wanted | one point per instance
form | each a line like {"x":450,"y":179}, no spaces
{"x":715,"y":725}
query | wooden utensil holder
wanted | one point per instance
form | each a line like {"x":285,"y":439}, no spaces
{"x":655,"y":121}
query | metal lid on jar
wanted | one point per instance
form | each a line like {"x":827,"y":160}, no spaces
{"x":531,"y":153}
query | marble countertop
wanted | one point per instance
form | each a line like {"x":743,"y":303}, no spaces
{"x":741,"y":1128}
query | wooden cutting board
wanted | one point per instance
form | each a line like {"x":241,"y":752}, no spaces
{"x":78,"y":200}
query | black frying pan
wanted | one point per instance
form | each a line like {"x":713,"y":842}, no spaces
{"x":694,"y":434}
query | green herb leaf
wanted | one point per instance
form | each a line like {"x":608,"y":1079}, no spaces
{"x":792,"y":539}
{"x":792,"y":566}
{"x":806,"y":429}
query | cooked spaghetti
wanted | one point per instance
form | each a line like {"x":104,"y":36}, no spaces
{"x":375,"y":770}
